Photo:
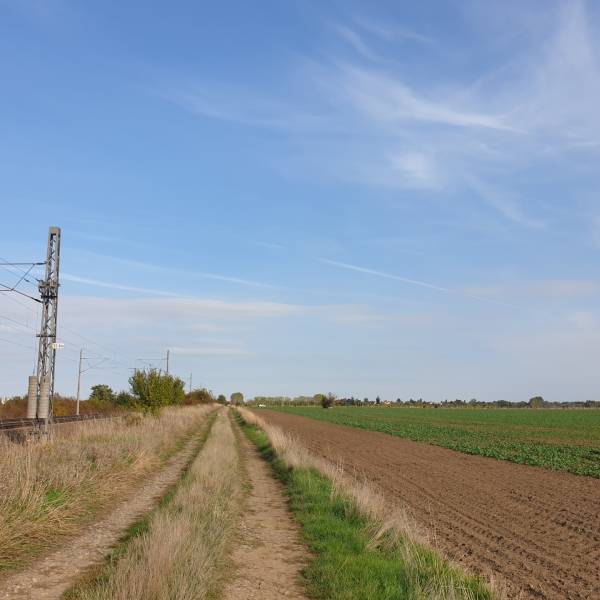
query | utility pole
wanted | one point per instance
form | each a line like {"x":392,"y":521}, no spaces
{"x":82,"y":370}
{"x":41,"y":385}
{"x":190,"y":383}
{"x":168,"y":353}
{"x":79,"y":380}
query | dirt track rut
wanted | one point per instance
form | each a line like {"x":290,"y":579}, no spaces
{"x":536,"y":530}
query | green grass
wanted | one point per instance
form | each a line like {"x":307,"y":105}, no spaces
{"x":343,"y":564}
{"x":565,"y":440}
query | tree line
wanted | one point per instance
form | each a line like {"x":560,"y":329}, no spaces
{"x":327,"y":400}
{"x":149,"y":391}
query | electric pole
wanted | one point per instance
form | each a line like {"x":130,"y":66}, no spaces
{"x":190,"y":383}
{"x":41,"y":386}
{"x":79,"y":380}
{"x":168,"y":353}
{"x":82,"y":370}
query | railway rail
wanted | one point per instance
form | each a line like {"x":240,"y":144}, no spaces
{"x":9,"y":424}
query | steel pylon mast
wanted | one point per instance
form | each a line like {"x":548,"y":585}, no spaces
{"x":47,"y":336}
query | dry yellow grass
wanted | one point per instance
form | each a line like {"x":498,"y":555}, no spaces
{"x":49,"y":490}
{"x":177,"y":555}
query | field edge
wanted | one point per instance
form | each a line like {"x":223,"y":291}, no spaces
{"x":351,"y":558}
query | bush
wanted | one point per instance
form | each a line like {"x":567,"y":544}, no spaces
{"x":16,"y":407}
{"x":536,"y":402}
{"x":152,"y":390}
{"x":199,"y":396}
{"x":124,"y":399}
{"x":102,"y":393}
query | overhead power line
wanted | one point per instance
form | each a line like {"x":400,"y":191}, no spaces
{"x":21,"y":264}
{"x":17,"y":344}
{"x":8,"y":288}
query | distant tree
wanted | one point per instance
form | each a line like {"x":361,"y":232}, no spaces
{"x":366,"y":401}
{"x":536,"y":402}
{"x":237,"y":398}
{"x":102,"y":393}
{"x":378,"y":400}
{"x":327,"y":401}
{"x":199,"y":396}
{"x":221,"y":399}
{"x":318,"y":399}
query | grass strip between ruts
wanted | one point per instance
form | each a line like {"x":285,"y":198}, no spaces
{"x":344,"y":564}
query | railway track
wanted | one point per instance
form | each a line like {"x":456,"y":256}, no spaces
{"x":9,"y":424}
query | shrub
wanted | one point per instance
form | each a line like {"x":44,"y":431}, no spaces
{"x":102,"y":393}
{"x":199,"y":396}
{"x":152,"y":390}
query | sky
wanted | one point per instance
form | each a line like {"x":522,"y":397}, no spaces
{"x":366,"y":198}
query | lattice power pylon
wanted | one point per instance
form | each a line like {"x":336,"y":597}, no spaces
{"x":41,"y":385}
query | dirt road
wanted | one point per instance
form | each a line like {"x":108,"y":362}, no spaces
{"x":50,"y":576}
{"x":267,"y":550}
{"x":535,"y":529}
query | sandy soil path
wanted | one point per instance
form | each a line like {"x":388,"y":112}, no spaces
{"x":267,"y":551}
{"x":52,"y":575}
{"x":535,"y":529}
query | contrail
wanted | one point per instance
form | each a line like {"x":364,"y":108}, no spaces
{"x":425,"y":284}
{"x":116,"y":286}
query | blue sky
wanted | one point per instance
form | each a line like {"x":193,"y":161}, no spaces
{"x":366,"y":198}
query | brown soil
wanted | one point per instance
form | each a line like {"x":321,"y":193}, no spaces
{"x":49,"y":577}
{"x":535,"y":530}
{"x":267,"y":550}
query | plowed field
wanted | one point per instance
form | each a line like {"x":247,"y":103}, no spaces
{"x":537,"y":530}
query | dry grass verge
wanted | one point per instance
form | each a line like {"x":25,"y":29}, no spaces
{"x":392,"y":537}
{"x":48,"y":491}
{"x":176,"y":554}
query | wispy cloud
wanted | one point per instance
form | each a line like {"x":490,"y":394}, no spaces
{"x":244,"y":106}
{"x":172,"y":310}
{"x":389,"y":100}
{"x":371,"y":120}
{"x":391,"y":32}
{"x":417,"y":169}
{"x":545,"y":288}
{"x":503,"y":201}
{"x":208,"y":351}
{"x":356,"y":42}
